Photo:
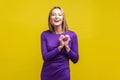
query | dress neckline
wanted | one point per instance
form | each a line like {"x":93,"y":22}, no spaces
{"x":59,"y":33}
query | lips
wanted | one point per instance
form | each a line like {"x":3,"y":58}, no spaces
{"x":56,"y":20}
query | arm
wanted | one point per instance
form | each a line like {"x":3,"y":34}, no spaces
{"x":45,"y":54}
{"x":73,"y":51}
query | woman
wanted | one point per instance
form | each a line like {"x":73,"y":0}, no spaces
{"x":58,"y":45}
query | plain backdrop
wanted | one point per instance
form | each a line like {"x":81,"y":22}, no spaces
{"x":96,"y":22}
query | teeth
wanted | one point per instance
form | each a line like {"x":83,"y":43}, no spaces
{"x":56,"y":21}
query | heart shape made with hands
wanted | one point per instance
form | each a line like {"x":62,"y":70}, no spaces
{"x":66,"y":37}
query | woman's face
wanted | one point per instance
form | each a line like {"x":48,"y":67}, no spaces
{"x":56,"y":17}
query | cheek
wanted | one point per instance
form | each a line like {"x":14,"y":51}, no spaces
{"x":51,"y":18}
{"x":61,"y":17}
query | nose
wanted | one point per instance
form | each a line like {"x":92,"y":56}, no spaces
{"x":56,"y":16}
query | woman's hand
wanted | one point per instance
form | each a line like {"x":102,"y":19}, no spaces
{"x":64,"y":40}
{"x":61,"y":42}
{"x":66,"y":43}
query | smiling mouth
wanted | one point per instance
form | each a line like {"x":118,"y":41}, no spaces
{"x":57,"y":21}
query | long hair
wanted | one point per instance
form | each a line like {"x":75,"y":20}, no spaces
{"x":64,"y":23}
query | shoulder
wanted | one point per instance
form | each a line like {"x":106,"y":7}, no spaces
{"x":72,"y":33}
{"x":46,"y":32}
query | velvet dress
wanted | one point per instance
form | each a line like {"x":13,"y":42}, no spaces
{"x":56,"y":63}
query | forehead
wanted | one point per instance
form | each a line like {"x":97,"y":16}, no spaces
{"x":56,"y":10}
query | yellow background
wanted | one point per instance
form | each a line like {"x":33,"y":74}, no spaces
{"x":96,"y":22}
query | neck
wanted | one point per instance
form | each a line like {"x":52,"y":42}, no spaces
{"x":58,"y":29}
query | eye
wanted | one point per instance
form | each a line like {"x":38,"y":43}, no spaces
{"x":60,"y":14}
{"x":52,"y":14}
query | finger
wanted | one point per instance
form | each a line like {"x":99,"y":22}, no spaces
{"x":61,"y":37}
{"x":68,"y":37}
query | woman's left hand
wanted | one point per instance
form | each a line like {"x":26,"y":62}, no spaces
{"x":66,"y":42}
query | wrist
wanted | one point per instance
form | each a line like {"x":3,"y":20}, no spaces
{"x":60,"y":47}
{"x":67,"y":48}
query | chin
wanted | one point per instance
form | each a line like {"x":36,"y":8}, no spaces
{"x":57,"y":24}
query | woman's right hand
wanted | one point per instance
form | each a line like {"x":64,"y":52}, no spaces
{"x":61,"y":42}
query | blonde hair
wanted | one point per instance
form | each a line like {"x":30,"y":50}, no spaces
{"x":64,"y":23}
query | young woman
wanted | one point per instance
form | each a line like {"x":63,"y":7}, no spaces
{"x":58,"y":45}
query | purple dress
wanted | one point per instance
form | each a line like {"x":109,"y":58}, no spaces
{"x":56,"y":63}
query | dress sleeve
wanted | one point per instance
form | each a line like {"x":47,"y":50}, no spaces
{"x":73,"y":53}
{"x":45,"y":54}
